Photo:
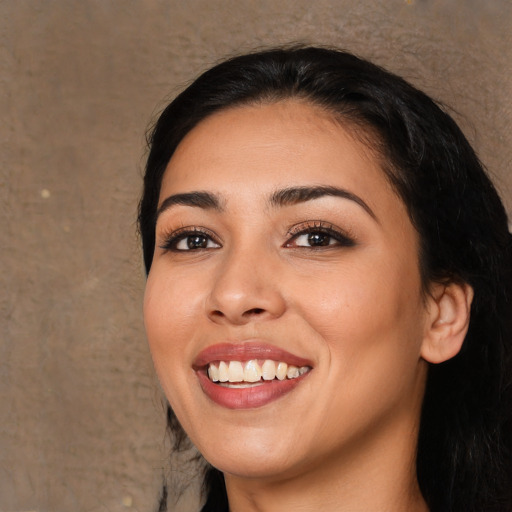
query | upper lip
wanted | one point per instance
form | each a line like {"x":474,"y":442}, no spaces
{"x":245,"y":351}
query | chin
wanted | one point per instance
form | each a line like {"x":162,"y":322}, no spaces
{"x":259,"y":466}
{"x":251,"y":457}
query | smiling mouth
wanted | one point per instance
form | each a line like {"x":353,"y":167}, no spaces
{"x":239,"y":374}
{"x":249,"y":374}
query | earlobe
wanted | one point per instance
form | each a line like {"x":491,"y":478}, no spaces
{"x":447,"y":322}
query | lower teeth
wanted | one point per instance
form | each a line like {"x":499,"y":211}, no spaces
{"x":239,"y":385}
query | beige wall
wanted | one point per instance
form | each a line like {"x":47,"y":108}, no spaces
{"x":81,"y":424}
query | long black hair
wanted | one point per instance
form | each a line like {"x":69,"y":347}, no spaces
{"x":464,"y":455}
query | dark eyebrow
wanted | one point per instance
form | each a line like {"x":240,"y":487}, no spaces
{"x":294,"y":195}
{"x":204,"y":200}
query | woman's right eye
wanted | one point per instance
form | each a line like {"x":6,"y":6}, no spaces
{"x":189,"y":241}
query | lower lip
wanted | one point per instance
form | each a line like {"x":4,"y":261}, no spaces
{"x":248,"y":398}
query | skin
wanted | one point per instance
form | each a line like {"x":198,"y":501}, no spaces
{"x":345,"y":438}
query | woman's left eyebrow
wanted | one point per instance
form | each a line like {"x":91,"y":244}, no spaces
{"x":294,"y":195}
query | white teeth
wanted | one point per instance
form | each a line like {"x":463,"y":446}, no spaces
{"x":235,"y":371}
{"x":223,"y":372}
{"x":269,"y":370}
{"x":281,"y":371}
{"x":292,"y":372}
{"x":213,"y":373}
{"x":252,"y":372}
{"x":240,"y":385}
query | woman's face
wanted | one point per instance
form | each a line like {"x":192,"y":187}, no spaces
{"x":280,"y":241}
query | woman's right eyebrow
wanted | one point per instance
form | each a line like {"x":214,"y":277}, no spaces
{"x":198,"y":199}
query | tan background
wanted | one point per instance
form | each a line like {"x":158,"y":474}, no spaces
{"x":81,"y":424}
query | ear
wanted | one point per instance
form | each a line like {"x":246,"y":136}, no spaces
{"x":447,"y":321}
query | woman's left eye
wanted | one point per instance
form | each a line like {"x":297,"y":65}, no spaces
{"x":317,"y":238}
{"x":314,"y":239}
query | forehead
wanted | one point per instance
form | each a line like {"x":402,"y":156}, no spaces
{"x":270,"y":146}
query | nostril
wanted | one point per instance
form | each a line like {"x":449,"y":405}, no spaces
{"x":254,"y":311}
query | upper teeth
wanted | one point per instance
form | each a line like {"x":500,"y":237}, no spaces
{"x":252,"y":371}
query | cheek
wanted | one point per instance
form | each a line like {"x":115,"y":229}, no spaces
{"x":364,"y":311}
{"x":169,"y":318}
{"x":171,"y":324}
{"x":345,"y":301}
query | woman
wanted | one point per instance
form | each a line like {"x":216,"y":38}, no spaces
{"x":329,"y":290}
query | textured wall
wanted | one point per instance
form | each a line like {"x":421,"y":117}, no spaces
{"x":81,"y":424}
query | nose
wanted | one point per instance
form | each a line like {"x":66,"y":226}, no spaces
{"x":245,"y":289}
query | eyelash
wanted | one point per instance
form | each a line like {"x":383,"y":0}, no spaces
{"x":172,"y":239}
{"x":320,"y":227}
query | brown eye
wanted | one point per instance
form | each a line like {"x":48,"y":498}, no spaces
{"x":195,"y":242}
{"x":319,"y":239}
{"x":314,"y":239}
{"x":190,"y":240}
{"x":316,"y":236}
